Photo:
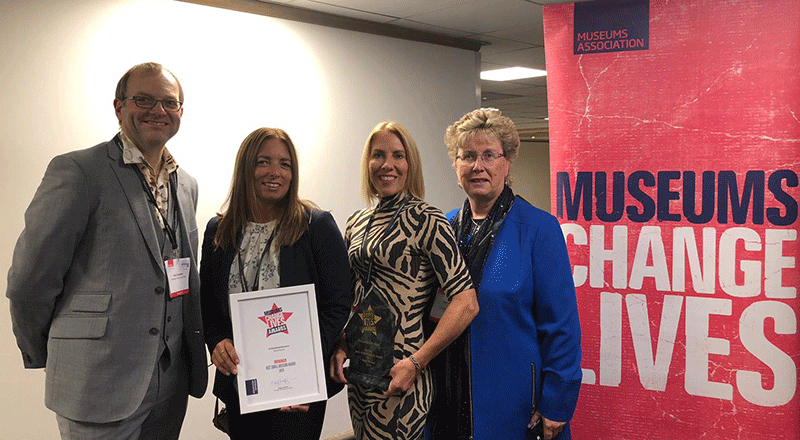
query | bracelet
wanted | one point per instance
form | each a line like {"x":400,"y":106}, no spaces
{"x":416,"y":364}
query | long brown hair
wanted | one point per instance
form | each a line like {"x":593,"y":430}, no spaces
{"x":238,"y":208}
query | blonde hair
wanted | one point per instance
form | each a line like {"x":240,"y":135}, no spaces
{"x":415,"y":184}
{"x":482,"y":123}
{"x":238,"y":208}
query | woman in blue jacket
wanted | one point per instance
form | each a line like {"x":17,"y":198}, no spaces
{"x":518,"y":363}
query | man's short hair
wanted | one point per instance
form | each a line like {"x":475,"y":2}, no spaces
{"x":143,"y":69}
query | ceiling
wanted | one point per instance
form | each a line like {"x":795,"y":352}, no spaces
{"x":509,"y":31}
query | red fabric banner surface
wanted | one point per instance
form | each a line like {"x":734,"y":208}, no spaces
{"x":674,"y":160}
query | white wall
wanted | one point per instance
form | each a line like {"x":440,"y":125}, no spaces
{"x":531,"y":174}
{"x":327,"y":88}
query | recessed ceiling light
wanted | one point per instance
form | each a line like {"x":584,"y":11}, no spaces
{"x":511,"y":73}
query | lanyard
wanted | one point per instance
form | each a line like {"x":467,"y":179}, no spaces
{"x":258,"y":269}
{"x":172,"y":184}
{"x":372,"y":253}
{"x":378,"y":241}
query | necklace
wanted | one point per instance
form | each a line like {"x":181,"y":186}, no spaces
{"x":475,"y":226}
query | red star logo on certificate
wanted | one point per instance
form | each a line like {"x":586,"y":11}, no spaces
{"x":275,"y":320}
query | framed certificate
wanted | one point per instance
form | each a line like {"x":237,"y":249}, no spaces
{"x":276,"y":334}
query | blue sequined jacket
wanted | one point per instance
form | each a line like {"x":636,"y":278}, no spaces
{"x":528,"y":314}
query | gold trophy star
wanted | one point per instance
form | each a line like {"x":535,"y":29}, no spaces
{"x":370,"y":321}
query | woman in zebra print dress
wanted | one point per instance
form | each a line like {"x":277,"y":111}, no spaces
{"x":416,"y":255}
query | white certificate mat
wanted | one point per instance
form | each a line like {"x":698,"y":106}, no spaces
{"x":276,"y":335}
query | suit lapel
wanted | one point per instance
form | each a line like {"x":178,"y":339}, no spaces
{"x":186,"y":215}
{"x":137,"y":200}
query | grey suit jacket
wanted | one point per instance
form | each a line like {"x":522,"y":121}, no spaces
{"x":86,"y":286}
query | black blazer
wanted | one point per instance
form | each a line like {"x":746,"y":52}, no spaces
{"x":318,"y":257}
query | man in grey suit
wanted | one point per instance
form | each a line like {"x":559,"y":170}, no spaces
{"x":103,"y":286}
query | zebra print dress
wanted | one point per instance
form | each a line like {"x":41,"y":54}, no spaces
{"x":414,"y":258}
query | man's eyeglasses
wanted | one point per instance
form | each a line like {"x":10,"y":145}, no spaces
{"x":148,"y":103}
{"x":488,"y":157}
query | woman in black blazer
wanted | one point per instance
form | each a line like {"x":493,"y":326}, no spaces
{"x":267,"y":237}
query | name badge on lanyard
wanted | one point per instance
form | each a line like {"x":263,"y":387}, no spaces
{"x":178,"y":276}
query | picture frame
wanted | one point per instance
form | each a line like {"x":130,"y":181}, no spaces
{"x":276,"y":335}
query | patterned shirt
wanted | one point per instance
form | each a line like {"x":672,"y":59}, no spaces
{"x":263,"y":269}
{"x":159,"y":185}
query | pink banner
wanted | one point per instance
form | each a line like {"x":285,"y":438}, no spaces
{"x":675,"y":153}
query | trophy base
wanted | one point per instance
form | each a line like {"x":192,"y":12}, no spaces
{"x":367,"y":380}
